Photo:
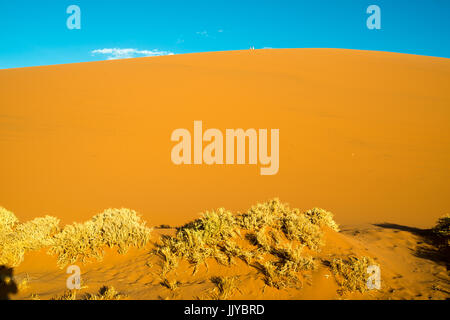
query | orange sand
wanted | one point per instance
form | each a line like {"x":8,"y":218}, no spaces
{"x":137,"y":274}
{"x":362,"y":134}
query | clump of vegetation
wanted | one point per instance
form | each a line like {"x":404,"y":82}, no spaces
{"x":283,"y":272}
{"x":225,"y":287}
{"x":17,"y":238}
{"x":35,"y":296}
{"x":321,"y":217}
{"x":37,"y":233}
{"x":170,"y":284}
{"x":263,"y":214}
{"x":199,"y":240}
{"x":105,"y":293}
{"x":270,"y":236}
{"x":266,"y":226}
{"x":121,"y":228}
{"x":442,"y":227}
{"x":442,"y":234}
{"x":304,"y":227}
{"x":163,"y":226}
{"x":67,"y":295}
{"x":7,"y":219}
{"x":351,"y":273}
{"x":300,"y":228}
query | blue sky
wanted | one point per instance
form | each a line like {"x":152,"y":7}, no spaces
{"x":34,"y":32}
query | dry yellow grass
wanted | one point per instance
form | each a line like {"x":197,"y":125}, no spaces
{"x":104,"y":293}
{"x":7,"y":218}
{"x":17,"y":238}
{"x":67,"y":295}
{"x":121,"y":228}
{"x":270,"y":237}
{"x":170,"y":284}
{"x":321,"y":217}
{"x":275,"y":234}
{"x":225,"y":287}
{"x":199,"y":240}
{"x":351,"y":273}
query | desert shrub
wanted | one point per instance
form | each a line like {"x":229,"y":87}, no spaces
{"x":35,"y":296}
{"x":16,"y":239}
{"x":7,"y":219}
{"x":260,"y":239}
{"x":321,"y":218}
{"x":263,"y":214}
{"x":199,"y":240}
{"x":77,"y":242}
{"x":12,"y":252}
{"x":351,"y":273}
{"x":275,"y":277}
{"x":163,"y":226}
{"x":212,"y":227}
{"x":442,"y":227}
{"x":37,"y":233}
{"x":283,"y":272}
{"x":225,"y":287}
{"x":299,"y":227}
{"x":289,"y":258}
{"x":304,"y":227}
{"x":292,"y":258}
{"x":232,"y":250}
{"x":170,"y":284}
{"x":442,"y":236}
{"x":121,"y":228}
{"x":105,"y":293}
{"x":67,"y":295}
{"x":266,"y":225}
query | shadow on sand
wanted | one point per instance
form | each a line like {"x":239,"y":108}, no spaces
{"x":7,"y":284}
{"x":431,"y":247}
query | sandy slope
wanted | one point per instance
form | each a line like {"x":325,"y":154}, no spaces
{"x":137,"y":274}
{"x":362,"y":134}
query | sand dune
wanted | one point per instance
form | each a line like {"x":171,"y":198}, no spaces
{"x":362,"y":134}
{"x":406,"y":271}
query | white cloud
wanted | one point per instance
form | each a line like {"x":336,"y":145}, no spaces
{"x":203,"y":33}
{"x":117,"y":53}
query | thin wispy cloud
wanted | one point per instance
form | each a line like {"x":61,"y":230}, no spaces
{"x":207,"y":34}
{"x":203,"y":33}
{"x":118,"y":53}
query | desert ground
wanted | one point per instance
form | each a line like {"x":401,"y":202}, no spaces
{"x":362,"y":134}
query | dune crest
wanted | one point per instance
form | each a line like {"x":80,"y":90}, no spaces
{"x":364,"y":134}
